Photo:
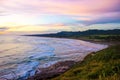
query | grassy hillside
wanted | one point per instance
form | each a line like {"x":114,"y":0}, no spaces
{"x":80,"y":33}
{"x":102,"y":65}
{"x":92,"y":35}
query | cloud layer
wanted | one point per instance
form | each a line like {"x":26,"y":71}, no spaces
{"x":36,"y":12}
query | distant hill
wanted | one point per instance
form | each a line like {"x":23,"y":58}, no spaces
{"x":80,"y":33}
{"x":91,"y":35}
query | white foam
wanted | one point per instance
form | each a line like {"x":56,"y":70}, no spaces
{"x":21,"y":54}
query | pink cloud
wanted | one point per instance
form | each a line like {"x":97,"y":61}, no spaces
{"x":69,"y":7}
{"x":91,"y":9}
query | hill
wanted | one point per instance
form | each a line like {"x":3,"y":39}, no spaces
{"x":93,"y":35}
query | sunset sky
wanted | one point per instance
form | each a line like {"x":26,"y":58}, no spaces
{"x":45,"y":16}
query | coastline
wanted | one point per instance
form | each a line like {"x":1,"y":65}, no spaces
{"x":101,"y":65}
{"x":90,"y":47}
{"x":52,"y":71}
{"x":61,"y":67}
{"x":82,"y":39}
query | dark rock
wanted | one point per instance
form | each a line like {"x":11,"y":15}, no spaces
{"x":52,"y":71}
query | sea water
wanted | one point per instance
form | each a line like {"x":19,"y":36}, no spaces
{"x":21,"y":55}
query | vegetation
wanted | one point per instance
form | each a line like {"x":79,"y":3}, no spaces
{"x":102,"y":65}
{"x":94,"y":35}
{"x":108,"y":38}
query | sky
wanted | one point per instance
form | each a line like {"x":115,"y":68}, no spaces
{"x":47,"y":16}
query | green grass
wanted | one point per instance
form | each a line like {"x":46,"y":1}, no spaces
{"x":106,"y":38}
{"x":102,"y":65}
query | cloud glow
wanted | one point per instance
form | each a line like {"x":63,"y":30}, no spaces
{"x":34,"y":15}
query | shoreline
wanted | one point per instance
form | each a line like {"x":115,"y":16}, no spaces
{"x":52,"y":71}
{"x":60,"y":67}
{"x":56,"y":69}
{"x":88,"y":40}
{"x":63,"y":61}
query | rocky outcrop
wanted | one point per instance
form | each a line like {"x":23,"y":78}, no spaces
{"x":52,"y":71}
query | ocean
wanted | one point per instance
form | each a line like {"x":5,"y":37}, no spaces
{"x":21,"y":55}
